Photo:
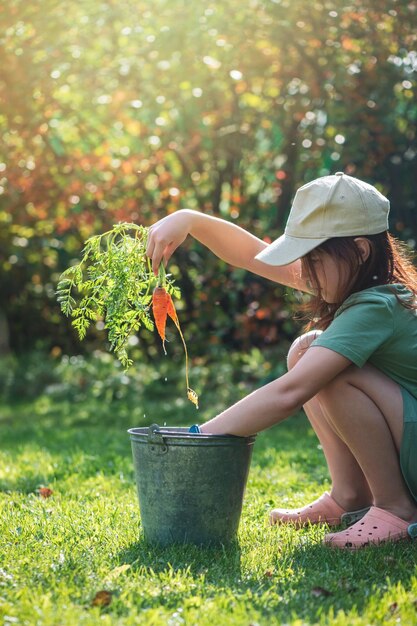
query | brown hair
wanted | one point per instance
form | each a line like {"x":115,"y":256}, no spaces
{"x":389,"y":262}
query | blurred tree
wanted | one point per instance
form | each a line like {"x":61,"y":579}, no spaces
{"x":116,"y":111}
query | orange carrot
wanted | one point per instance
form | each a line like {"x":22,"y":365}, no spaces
{"x":171,"y":311}
{"x":160,"y":299}
{"x":162,"y":306}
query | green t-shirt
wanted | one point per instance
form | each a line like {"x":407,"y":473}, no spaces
{"x":372,"y":326}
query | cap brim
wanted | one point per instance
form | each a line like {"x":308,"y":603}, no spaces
{"x":287,"y":249}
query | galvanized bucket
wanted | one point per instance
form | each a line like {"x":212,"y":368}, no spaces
{"x":190,"y":486}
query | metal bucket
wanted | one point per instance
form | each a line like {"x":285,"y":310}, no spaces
{"x":190,"y":486}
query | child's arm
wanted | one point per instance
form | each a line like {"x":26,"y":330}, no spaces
{"x":226,"y":240}
{"x":282,"y":397}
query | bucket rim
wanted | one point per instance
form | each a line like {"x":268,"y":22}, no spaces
{"x":181,"y":432}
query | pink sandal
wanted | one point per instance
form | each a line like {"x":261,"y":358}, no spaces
{"x":376,"y":527}
{"x":324,"y":510}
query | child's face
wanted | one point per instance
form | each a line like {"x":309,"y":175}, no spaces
{"x":332,"y":275}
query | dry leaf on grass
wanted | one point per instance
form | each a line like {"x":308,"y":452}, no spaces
{"x":45,"y":492}
{"x":102,"y":598}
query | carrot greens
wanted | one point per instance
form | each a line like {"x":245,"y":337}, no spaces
{"x":114,"y":283}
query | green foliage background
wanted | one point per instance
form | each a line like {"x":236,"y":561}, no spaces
{"x":123,"y":111}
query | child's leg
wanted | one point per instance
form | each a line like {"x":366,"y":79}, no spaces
{"x":349,"y":486}
{"x":365,"y":408}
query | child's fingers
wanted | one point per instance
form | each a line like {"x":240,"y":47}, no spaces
{"x":152,"y":254}
{"x":168,"y":252}
{"x":155,"y":251}
{"x":156,"y":261}
{"x":159,"y":252}
{"x":164,"y":255}
{"x":150,"y":247}
{"x":160,"y":246}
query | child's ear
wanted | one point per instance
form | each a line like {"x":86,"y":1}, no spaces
{"x":364,"y":247}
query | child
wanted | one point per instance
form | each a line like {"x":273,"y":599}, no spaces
{"x":355,"y":373}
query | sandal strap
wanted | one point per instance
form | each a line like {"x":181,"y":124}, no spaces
{"x":349,"y":518}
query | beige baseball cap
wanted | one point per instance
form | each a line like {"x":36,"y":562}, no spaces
{"x":330,"y":206}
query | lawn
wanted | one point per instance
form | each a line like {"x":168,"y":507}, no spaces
{"x":78,"y":557}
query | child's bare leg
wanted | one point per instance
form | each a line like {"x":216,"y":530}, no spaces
{"x":349,"y":486}
{"x":365,"y":407}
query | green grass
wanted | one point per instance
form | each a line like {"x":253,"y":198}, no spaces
{"x":57,"y":553}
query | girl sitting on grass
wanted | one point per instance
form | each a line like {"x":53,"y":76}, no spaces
{"x":355,"y":373}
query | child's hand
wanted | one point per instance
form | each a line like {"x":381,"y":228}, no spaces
{"x":166,"y":235}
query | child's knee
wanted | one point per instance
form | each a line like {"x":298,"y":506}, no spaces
{"x":299,"y":347}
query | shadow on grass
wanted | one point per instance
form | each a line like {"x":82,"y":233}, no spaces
{"x":331,"y":580}
{"x":178,"y":557}
{"x":323,"y":581}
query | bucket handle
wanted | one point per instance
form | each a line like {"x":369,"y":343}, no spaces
{"x":156,"y":440}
